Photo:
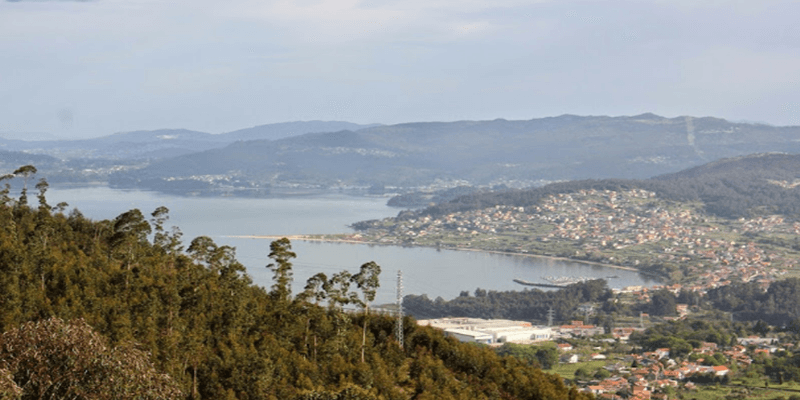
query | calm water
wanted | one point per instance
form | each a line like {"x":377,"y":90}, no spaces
{"x":433,"y":272}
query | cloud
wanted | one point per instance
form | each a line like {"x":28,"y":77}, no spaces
{"x":175,"y":62}
{"x":42,"y":1}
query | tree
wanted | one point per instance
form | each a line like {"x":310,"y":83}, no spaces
{"x":281,"y":253}
{"x":130,"y":231}
{"x":663,"y":302}
{"x":202,"y":249}
{"x":53,"y":359}
{"x":337,"y":289}
{"x":8,"y":388}
{"x":170,"y":243}
{"x":4,"y":198}
{"x":367,"y":279}
{"x":544,"y":356}
{"x":26,"y":171}
{"x":42,"y":188}
{"x":315,"y":288}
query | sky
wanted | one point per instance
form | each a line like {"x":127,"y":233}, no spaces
{"x":93,"y":68}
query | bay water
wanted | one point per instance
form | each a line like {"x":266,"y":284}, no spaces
{"x":427,"y":271}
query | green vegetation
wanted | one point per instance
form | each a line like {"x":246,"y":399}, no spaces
{"x":570,"y":371}
{"x":544,"y":356}
{"x":525,"y":305}
{"x":778,"y":305}
{"x":128,"y":287}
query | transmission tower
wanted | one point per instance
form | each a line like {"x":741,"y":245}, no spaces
{"x":399,"y":326}
{"x":550,"y":314}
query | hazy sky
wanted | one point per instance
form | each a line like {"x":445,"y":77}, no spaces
{"x":91,"y":68}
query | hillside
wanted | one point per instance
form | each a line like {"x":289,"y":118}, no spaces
{"x":133,"y":297}
{"x":516,"y":153}
{"x":165,"y":143}
{"x":757,"y":184}
{"x":735,"y":219}
{"x":287,"y":129}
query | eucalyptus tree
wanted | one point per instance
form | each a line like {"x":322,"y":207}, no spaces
{"x":201,"y":249}
{"x":42,"y":188}
{"x":26,"y":171}
{"x":130,"y":231}
{"x":337,"y":289}
{"x":5,"y":199}
{"x":315,"y":288}
{"x":281,"y":253}
{"x":368,"y":280}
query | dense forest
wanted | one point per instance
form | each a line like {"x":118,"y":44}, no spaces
{"x":778,"y":305}
{"x":730,"y":188}
{"x":524,"y":305}
{"x":80,"y":297}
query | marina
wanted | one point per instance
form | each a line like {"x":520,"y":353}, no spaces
{"x":559,"y":282}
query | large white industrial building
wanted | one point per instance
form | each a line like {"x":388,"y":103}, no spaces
{"x":489,"y":331}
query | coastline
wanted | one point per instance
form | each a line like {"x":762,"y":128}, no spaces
{"x":311,"y":238}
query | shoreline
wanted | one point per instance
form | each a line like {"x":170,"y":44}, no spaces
{"x":309,"y":238}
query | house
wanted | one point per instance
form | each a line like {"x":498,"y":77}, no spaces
{"x":721,"y":370}
{"x":662,"y":353}
{"x":764,"y":352}
{"x":588,"y":330}
{"x":596,"y":389}
{"x":622,"y":333}
{"x":598,"y":356}
{"x":707,"y":347}
{"x":640,"y":392}
{"x":673,"y":374}
{"x":565,"y":347}
{"x":587,"y":309}
{"x":569,"y":359}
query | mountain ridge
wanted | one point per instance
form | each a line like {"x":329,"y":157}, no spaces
{"x":483,"y":153}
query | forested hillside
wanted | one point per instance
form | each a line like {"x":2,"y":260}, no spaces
{"x":199,"y":319}
{"x":518,"y":305}
{"x":778,"y":305}
{"x":744,"y":186}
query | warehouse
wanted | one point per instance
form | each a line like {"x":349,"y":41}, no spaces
{"x":492,"y":331}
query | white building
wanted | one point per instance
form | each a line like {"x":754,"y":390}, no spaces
{"x":465,"y":335}
{"x":495,"y":331}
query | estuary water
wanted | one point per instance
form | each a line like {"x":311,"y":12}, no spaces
{"x":427,"y":271}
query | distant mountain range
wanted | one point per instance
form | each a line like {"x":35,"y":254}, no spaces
{"x":164,"y":143}
{"x":515,"y":153}
{"x":337,"y":155}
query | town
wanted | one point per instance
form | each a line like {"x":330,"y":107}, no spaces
{"x":687,"y":249}
{"x":610,"y":367}
{"x":676,"y":242}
